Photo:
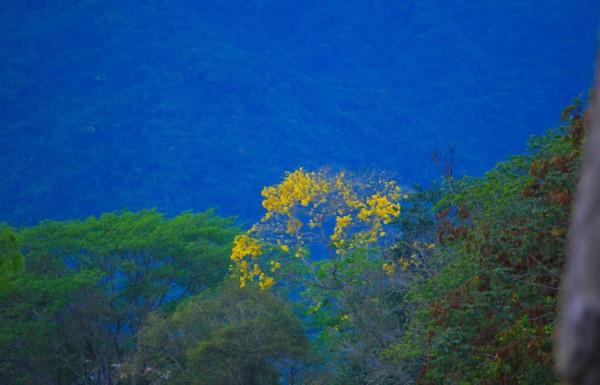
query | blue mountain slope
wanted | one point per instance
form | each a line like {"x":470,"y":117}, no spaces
{"x":188,"y":105}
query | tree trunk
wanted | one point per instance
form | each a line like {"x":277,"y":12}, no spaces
{"x":578,"y":333}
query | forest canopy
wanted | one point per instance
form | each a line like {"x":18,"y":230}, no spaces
{"x":347,"y":279}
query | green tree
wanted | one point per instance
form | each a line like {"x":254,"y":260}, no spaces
{"x":89,"y":285}
{"x":228,"y":336}
{"x":53,"y":329}
{"x":11,"y":259}
{"x":493,"y":310}
{"x":323,"y":234}
{"x":361,"y":328}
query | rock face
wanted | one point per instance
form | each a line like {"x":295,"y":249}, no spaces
{"x":578,"y":336}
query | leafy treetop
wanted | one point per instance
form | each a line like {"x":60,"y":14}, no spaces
{"x":341,"y":212}
{"x":11,"y":259}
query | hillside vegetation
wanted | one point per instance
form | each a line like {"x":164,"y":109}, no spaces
{"x":180,"y":105}
{"x":347,"y":279}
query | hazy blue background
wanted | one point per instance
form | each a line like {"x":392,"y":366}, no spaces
{"x":106,"y":104}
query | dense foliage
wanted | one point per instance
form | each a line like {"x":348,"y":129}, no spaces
{"x":466,"y":293}
{"x":89,"y":286}
{"x":187,"y":104}
{"x":509,"y":231}
{"x":11,"y":260}
{"x":347,"y":279}
{"x":229,"y":336}
{"x":343,"y":214}
{"x":490,"y":313}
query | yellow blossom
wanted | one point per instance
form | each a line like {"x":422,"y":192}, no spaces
{"x":404,"y":264}
{"x":314,"y":308}
{"x":389,"y":268}
{"x":265,"y":282}
{"x":344,"y":212}
{"x":275,"y":266}
{"x":244,"y":246}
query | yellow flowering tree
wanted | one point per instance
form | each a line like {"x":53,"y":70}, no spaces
{"x":321,"y":218}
